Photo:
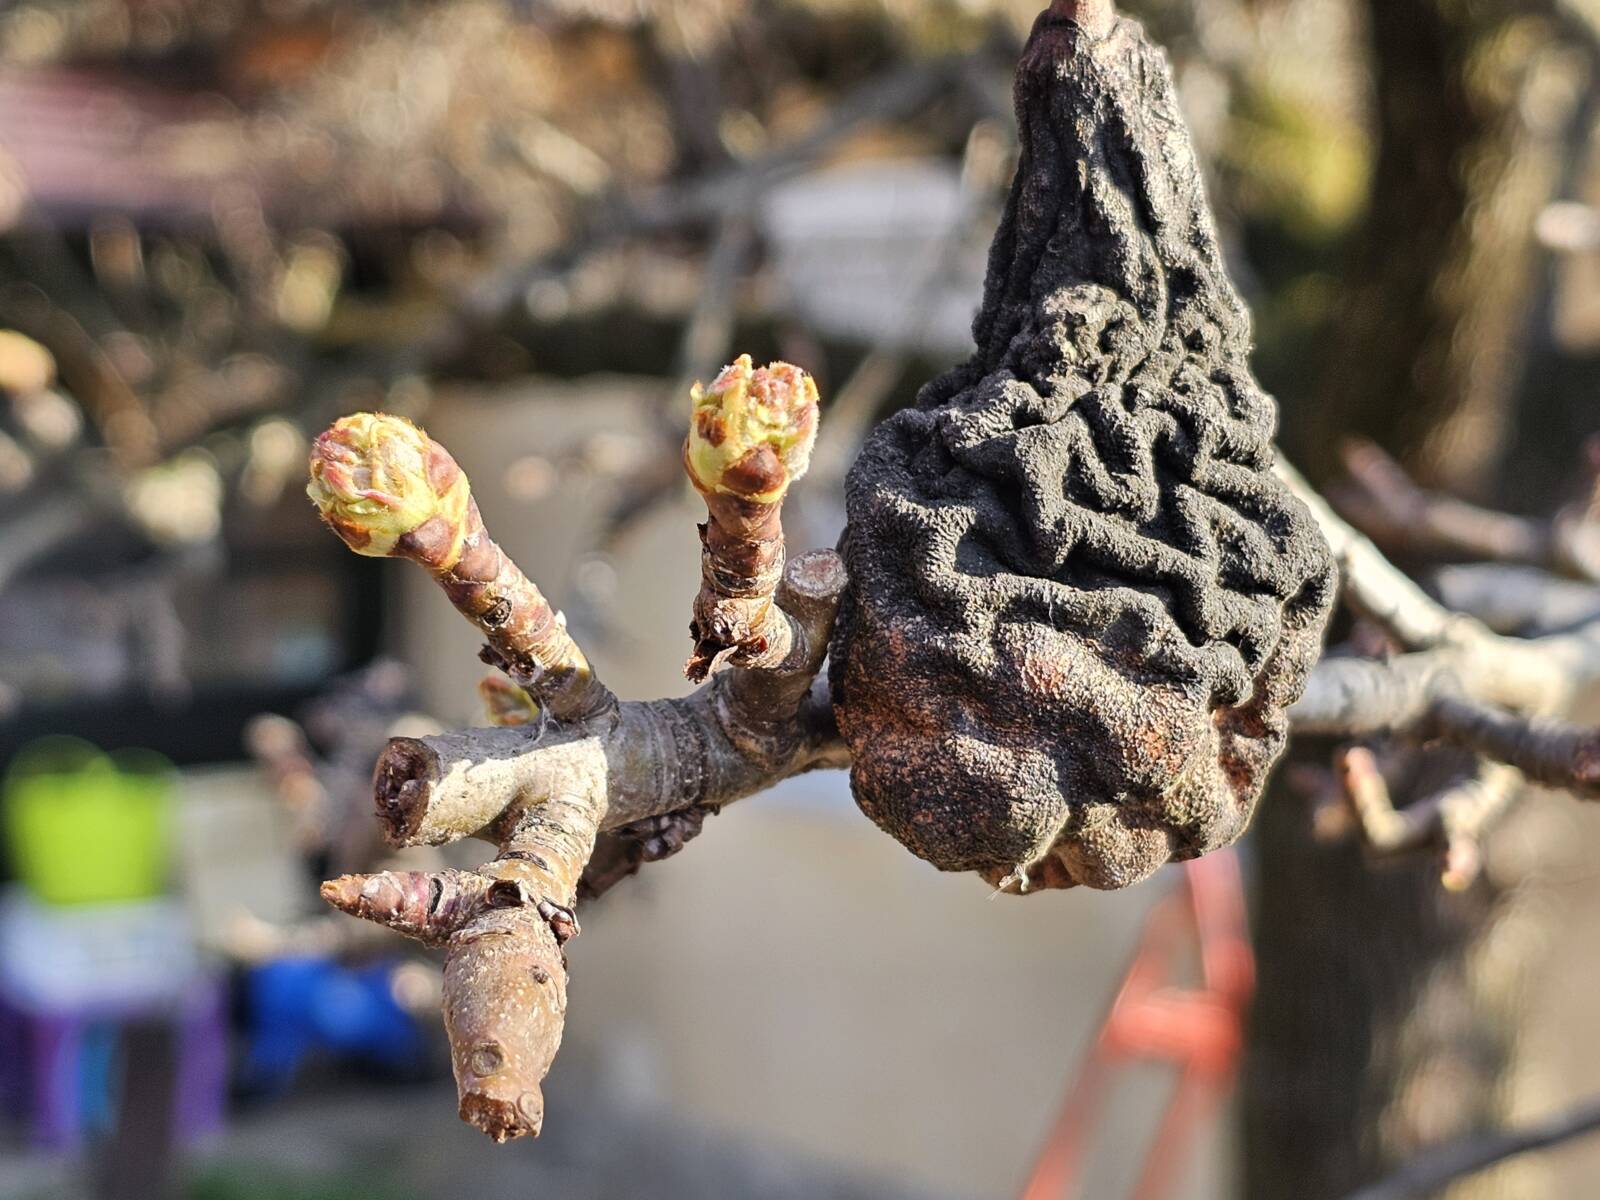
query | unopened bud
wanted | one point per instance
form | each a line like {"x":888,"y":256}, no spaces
{"x":751,"y":431}
{"x":506,"y":703}
{"x":377,"y":479}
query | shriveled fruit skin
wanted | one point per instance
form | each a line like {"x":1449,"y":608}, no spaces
{"x":1080,"y":599}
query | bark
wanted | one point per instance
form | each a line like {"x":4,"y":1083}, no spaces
{"x":1425,"y":349}
{"x":1388,"y":1016}
{"x":1389,"y":1009}
{"x":742,"y":559}
{"x":527,"y":639}
{"x":750,"y":436}
{"x":542,"y":793}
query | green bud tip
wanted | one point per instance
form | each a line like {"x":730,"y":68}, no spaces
{"x":751,"y":432}
{"x":505,"y":703}
{"x":378,"y":479}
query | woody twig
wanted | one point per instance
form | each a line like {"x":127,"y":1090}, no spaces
{"x":750,"y":436}
{"x":565,"y":761}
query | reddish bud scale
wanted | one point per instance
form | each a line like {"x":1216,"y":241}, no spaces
{"x":750,"y":436}
{"x":505,"y":703}
{"x":528,"y":638}
{"x":388,"y":490}
{"x":423,"y":906}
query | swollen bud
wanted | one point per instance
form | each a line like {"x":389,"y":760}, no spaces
{"x":505,"y":703}
{"x":377,"y":479}
{"x":751,"y":432}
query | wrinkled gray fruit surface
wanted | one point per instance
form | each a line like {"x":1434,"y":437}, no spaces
{"x":1080,"y":599}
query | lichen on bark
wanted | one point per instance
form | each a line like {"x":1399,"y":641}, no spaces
{"x":1080,"y":600}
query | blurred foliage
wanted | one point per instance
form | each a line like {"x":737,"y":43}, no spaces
{"x":1296,"y":162}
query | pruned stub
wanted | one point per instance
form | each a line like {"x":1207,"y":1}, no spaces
{"x":1080,"y":599}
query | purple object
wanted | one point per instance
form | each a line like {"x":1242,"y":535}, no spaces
{"x":41,"y":1052}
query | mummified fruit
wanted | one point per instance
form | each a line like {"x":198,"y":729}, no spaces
{"x":1080,"y":599}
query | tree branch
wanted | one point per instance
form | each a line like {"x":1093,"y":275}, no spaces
{"x":389,"y":491}
{"x":543,"y":789}
{"x":750,"y":436}
{"x":1524,"y":601}
{"x":1380,"y":497}
{"x":1455,"y":656}
{"x":736,"y":736}
{"x":543,"y":795}
{"x":504,"y":927}
{"x":1454,"y":820}
{"x":1373,"y":586}
{"x":1498,"y":696}
{"x":1548,"y":751}
{"x":1415,"y":695}
{"x":1428,"y":1175}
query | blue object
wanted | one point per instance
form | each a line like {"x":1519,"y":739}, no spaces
{"x":299,"y":1006}
{"x":97,"y":1075}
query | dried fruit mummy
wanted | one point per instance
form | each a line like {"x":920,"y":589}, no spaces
{"x":1080,"y":599}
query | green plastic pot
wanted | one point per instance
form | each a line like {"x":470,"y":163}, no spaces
{"x":84,"y":827}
